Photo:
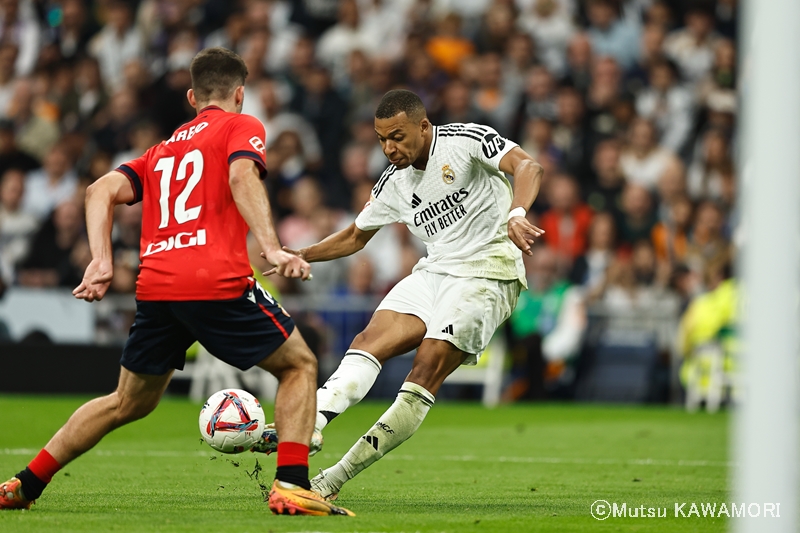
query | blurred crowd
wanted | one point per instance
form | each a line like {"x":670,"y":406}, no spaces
{"x":630,"y":106}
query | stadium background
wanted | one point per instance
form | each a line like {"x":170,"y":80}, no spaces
{"x":629,"y":105}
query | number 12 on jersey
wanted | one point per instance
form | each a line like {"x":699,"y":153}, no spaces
{"x":165,"y":166}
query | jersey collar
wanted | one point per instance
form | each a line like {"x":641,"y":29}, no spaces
{"x":435,"y":134}
{"x":419,"y":172}
{"x":210,"y":108}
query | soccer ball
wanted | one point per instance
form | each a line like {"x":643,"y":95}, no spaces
{"x":232,"y":421}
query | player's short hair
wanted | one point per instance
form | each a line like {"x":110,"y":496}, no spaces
{"x":401,"y":101}
{"x":216,"y":73}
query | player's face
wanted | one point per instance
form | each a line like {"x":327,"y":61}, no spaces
{"x":402,"y":139}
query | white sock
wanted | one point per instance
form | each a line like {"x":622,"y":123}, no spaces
{"x":393,"y":428}
{"x":347,"y":386}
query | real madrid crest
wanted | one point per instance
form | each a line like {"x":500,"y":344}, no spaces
{"x":448,"y":176}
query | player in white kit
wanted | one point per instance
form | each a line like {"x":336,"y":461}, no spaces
{"x":447,"y":184}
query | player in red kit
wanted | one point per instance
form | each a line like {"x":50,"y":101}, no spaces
{"x":201,"y":192}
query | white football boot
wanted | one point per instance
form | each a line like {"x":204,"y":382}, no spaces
{"x":325,"y":486}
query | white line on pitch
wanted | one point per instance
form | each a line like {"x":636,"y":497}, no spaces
{"x":402,"y":457}
{"x":579,"y":461}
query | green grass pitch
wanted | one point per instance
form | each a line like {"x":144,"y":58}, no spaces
{"x":468,"y":469}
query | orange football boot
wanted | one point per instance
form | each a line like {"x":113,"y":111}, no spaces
{"x":302,"y":501}
{"x":11,"y":496}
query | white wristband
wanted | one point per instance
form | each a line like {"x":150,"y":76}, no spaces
{"x":517,"y":212}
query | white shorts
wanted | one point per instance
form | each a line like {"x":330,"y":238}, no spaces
{"x":463,"y":311}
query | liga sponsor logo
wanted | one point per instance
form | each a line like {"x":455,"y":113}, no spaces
{"x":602,"y":510}
{"x":492,"y":145}
{"x":258,"y":144}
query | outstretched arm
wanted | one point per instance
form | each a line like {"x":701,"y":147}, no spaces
{"x":341,"y":244}
{"x":252,"y":202}
{"x":527,"y":180}
{"x":101,"y":197}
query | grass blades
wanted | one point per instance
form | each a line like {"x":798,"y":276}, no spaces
{"x":513,"y":469}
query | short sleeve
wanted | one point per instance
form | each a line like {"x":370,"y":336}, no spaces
{"x":380,"y":210}
{"x":135,"y":171}
{"x":492,"y":147}
{"x":246,"y":141}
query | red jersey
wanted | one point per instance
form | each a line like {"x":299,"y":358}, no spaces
{"x":194,"y":241}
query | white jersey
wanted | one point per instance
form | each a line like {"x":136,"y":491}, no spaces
{"x":458,"y":205}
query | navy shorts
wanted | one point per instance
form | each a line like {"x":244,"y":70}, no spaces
{"x":241,"y":332}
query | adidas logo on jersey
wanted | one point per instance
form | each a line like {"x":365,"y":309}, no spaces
{"x":448,"y":329}
{"x":415,"y":201}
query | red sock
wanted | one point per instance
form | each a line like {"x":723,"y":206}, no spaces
{"x":292,"y":453}
{"x":44,"y":466}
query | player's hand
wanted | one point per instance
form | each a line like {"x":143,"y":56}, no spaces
{"x":288,"y":264}
{"x":299,"y":253}
{"x":96,"y":280}
{"x":522,"y":232}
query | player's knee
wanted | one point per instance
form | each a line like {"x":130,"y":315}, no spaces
{"x":432,"y":366}
{"x":306,"y":362}
{"x":130,"y":408}
{"x":371,"y":341}
{"x":362,"y":341}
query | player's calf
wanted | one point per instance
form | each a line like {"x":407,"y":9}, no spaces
{"x":435,"y":360}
